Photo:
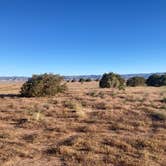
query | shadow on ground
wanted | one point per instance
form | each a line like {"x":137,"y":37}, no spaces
{"x":9,"y":95}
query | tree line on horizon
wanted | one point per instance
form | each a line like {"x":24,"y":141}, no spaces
{"x":51,"y":84}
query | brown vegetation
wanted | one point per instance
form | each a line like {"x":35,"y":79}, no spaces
{"x":86,"y":126}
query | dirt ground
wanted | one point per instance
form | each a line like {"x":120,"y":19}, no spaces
{"x":86,"y":126}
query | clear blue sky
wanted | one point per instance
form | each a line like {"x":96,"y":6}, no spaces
{"x":82,"y":36}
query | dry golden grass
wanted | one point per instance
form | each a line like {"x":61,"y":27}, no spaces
{"x":86,"y":126}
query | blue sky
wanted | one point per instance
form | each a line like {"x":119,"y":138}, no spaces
{"x":82,"y":36}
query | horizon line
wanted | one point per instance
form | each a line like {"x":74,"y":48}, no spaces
{"x":75,"y":75}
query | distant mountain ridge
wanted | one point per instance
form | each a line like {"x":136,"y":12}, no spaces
{"x":125,"y":76}
{"x":76,"y":77}
{"x":13,"y":78}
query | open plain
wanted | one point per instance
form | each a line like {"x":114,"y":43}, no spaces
{"x":85,"y":126}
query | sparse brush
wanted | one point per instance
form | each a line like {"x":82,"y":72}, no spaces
{"x":11,"y":105}
{"x":158,"y":115}
{"x":53,"y":101}
{"x":101,"y":105}
{"x":66,"y":151}
{"x":76,"y":107}
{"x":46,"y":106}
{"x":164,"y":100}
{"x":101,"y":94}
{"x":113,"y":94}
{"x":96,"y":94}
{"x":30,"y":137}
{"x":4,"y":135}
{"x":51,"y":151}
{"x":92,"y":94}
{"x":69,"y":104}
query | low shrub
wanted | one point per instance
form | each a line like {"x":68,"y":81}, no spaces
{"x":164,"y":100}
{"x":158,"y":115}
{"x":81,"y":80}
{"x":156,"y":80}
{"x":111,"y":80}
{"x":88,"y":80}
{"x":73,"y":80}
{"x":43,"y":85}
{"x":136,"y":81}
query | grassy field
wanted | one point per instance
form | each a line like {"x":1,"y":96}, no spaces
{"x":86,"y":126}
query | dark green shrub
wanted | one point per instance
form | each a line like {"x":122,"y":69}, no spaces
{"x":153,"y":80}
{"x":156,"y":80}
{"x":163,"y":80}
{"x":81,"y":80}
{"x":88,"y":80}
{"x":43,"y":85}
{"x":111,"y":80}
{"x":73,"y":80}
{"x":136,"y":81}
